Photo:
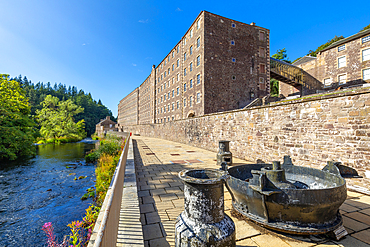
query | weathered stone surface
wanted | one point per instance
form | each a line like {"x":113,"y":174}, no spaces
{"x":290,"y":128}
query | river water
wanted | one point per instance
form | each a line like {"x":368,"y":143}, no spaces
{"x":43,"y":189}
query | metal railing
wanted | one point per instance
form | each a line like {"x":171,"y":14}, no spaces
{"x":293,"y":75}
{"x":106,"y":228}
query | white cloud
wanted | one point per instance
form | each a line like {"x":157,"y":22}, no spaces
{"x":83,"y":44}
{"x":178,"y":9}
{"x":144,"y":21}
{"x":134,"y":64}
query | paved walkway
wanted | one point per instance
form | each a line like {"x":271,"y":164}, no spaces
{"x":161,"y":200}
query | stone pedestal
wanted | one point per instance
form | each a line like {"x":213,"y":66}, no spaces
{"x":203,"y":222}
{"x":224,"y":154}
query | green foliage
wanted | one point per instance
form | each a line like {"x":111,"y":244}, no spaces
{"x":281,"y":55}
{"x":367,"y":27}
{"x":94,"y":111}
{"x":17,"y":132}
{"x":274,"y":86}
{"x":56,"y":119}
{"x":321,"y":47}
{"x":111,"y":145}
{"x":104,"y":173}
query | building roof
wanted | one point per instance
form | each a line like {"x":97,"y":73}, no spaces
{"x":348,"y":39}
{"x":303,"y":60}
{"x":107,"y":119}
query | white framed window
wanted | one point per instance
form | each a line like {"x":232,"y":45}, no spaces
{"x":168,"y":107}
{"x":173,"y":67}
{"x":178,"y":77}
{"x":165,"y":97}
{"x":185,"y":72}
{"x":341,"y":48}
{"x":169,"y":95}
{"x":173,"y":118}
{"x":177,"y":90}
{"x":191,"y":50}
{"x":366,"y":74}
{"x":169,"y":70}
{"x":177,"y":104}
{"x":165,"y":74}
{"x":191,"y":33}
{"x":173,"y":93}
{"x":342,"y":62}
{"x":164,"y":85}
{"x":184,"y":102}
{"x":342,"y":79}
{"x":164,"y":109}
{"x":173,"y":53}
{"x":198,"y":24}
{"x":185,"y":56}
{"x":168,"y":59}
{"x":184,"y":87}
{"x":162,"y":77}
{"x":173,"y":80}
{"x":185,"y":41}
{"x":164,"y":62}
{"x":366,"y":54}
{"x":191,"y":83}
{"x":233,"y":25}
{"x":233,"y":60}
{"x":366,"y":39}
{"x":177,"y":62}
{"x":198,"y":60}
{"x":161,"y":99}
{"x":232,"y":42}
{"x":191,"y":66}
{"x":191,"y":101}
{"x":198,"y":97}
{"x":177,"y":49}
{"x":328,"y":82}
{"x":262,"y":80}
{"x":198,"y":78}
{"x":198,"y":42}
{"x":173,"y":106}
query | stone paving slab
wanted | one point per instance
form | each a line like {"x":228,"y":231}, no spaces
{"x":161,"y":200}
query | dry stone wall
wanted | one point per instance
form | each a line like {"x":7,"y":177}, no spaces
{"x":310,"y":130}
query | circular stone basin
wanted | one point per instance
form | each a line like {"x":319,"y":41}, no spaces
{"x":201,"y":176}
{"x":309,"y":205}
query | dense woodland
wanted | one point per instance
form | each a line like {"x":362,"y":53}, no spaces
{"x":43,"y":113}
{"x":93,"y":110}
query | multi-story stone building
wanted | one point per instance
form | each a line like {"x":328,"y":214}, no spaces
{"x":128,"y":109}
{"x":342,"y":64}
{"x":218,"y":65}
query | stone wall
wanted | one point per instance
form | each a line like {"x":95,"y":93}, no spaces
{"x":311,"y":130}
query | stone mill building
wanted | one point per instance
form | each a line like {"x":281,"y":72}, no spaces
{"x":218,"y":65}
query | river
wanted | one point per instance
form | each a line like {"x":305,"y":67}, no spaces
{"x":42,"y":189}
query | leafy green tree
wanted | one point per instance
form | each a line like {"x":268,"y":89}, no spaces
{"x":323,"y":46}
{"x":56,"y":119}
{"x":281,"y":55}
{"x":367,"y":27}
{"x":16,"y":125}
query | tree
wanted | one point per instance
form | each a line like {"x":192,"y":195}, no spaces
{"x":56,"y":119}
{"x":281,"y":55}
{"x":367,"y":27}
{"x":323,"y":46}
{"x":16,"y":125}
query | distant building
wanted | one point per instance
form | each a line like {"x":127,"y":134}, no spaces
{"x":218,"y":65}
{"x":104,"y":126}
{"x":344,"y":63}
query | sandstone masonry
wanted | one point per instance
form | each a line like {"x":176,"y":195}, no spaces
{"x":218,"y":65}
{"x":312,"y":130}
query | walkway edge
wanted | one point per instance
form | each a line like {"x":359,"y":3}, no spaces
{"x":130,"y":231}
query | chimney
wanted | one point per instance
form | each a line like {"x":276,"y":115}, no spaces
{"x":253,"y":24}
{"x":108,"y":117}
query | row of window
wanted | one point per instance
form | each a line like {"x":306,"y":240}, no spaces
{"x":177,"y":65}
{"x":168,"y":95}
{"x":342,"y":79}
{"x":342,"y":62}
{"x":168,"y":107}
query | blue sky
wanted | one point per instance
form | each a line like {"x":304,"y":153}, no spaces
{"x":108,"y":47}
